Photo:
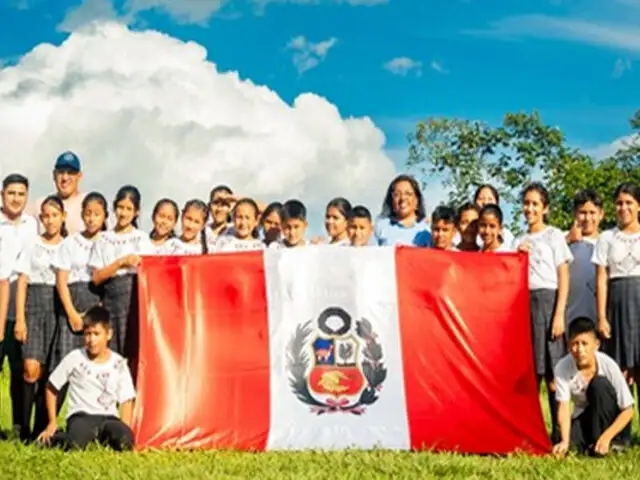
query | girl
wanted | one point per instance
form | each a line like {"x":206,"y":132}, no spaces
{"x":617,"y":259}
{"x":192,"y":240}
{"x":73,"y":275}
{"x":402,"y":220}
{"x":165,"y":217}
{"x":37,"y":309}
{"x":549,"y":258}
{"x":245,"y":236}
{"x":113,"y":260}
{"x":467,"y":224}
{"x":271,"y":223}
{"x":490,"y":229}
{"x":336,"y":220}
{"x":221,"y":201}
{"x":488,"y":195}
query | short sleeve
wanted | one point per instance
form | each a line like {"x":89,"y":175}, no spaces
{"x":561,"y":251}
{"x":378,"y":232}
{"x":96,"y":258}
{"x":601,"y":251}
{"x":7,"y":258}
{"x":60,"y":376}
{"x":126,"y":390}
{"x":146,"y":246}
{"x":23,"y":264}
{"x":62,"y":257}
{"x":563,"y":391}
{"x":623,"y":394}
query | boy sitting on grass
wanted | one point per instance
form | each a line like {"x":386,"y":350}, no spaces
{"x":99,"y":381}
{"x":601,"y":396}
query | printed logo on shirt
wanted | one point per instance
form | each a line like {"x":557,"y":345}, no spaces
{"x":336,"y":365}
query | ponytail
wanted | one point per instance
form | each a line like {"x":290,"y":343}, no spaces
{"x":134,"y":222}
{"x":64,"y":233}
{"x":203,"y":241}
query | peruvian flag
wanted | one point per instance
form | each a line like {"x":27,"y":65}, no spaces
{"x":332,"y":348}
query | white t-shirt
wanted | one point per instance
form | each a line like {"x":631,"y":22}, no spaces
{"x":72,"y":208}
{"x":94,"y":388}
{"x":73,"y":257}
{"x":619,"y":252}
{"x":229,"y":243}
{"x":571,"y":385}
{"x":582,"y":278}
{"x":24,"y":231}
{"x":281,"y":244}
{"x":111,"y":246}
{"x":36,"y":262}
{"x":548,"y":251}
{"x":9,"y":251}
{"x":175,"y":246}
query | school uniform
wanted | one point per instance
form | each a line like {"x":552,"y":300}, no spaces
{"x":508,"y":239}
{"x":96,"y":390}
{"x":73,"y":257}
{"x":175,"y":246}
{"x":620,"y":253}
{"x":230,"y":243}
{"x":596,"y":404}
{"x":582,"y":278}
{"x":42,"y":306}
{"x":282,"y":243}
{"x":211,"y":237}
{"x":120,"y":295}
{"x":388,"y":231}
{"x":548,"y":251}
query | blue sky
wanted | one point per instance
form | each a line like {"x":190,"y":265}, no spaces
{"x":397,"y":61}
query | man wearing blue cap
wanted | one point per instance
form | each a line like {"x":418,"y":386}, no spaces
{"x":66,"y":177}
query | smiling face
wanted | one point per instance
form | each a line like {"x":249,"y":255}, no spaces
{"x":93,"y":217}
{"x":588,"y":217}
{"x":335,"y":223}
{"x":51,"y":217}
{"x":164,"y":221}
{"x":534,"y":208}
{"x":404,"y":200}
{"x":245,"y":220}
{"x":626,"y":210}
{"x":360,"y":230}
{"x":442,"y":233}
{"x":66,"y":181}
{"x":126,"y":212}
{"x":193,"y":221}
{"x":221,"y":203}
{"x":486,"y":197}
{"x":489,"y":228}
{"x":14,"y":199}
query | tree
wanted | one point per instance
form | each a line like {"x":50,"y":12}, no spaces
{"x":465,"y":154}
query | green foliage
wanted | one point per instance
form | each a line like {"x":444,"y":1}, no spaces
{"x":465,"y":154}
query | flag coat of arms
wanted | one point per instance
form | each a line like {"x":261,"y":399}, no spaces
{"x":336,"y":348}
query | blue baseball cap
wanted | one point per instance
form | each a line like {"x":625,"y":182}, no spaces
{"x":68,"y":161}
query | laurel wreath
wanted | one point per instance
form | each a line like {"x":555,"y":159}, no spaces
{"x":374,"y":371}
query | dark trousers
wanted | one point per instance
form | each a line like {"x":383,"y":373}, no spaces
{"x":601,"y":412}
{"x":83,"y":429}
{"x":11,"y":349}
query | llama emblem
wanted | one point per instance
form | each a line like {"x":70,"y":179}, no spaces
{"x":335,"y":364}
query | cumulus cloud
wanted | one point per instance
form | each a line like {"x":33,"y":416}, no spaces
{"x":403,"y":66}
{"x":308,"y":55}
{"x":609,"y":149}
{"x":85,"y":13}
{"x":164,"y":118}
{"x":183,"y":11}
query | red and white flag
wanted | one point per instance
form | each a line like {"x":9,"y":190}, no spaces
{"x":334,"y":348}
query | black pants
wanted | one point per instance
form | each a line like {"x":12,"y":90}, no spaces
{"x":11,"y":349}
{"x":601,"y":412}
{"x":83,"y":429}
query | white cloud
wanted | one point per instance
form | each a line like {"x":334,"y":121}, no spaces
{"x":183,"y":11}
{"x":164,"y":118}
{"x":621,"y":67}
{"x":617,"y":36}
{"x":403,"y":66}
{"x":608,"y":149}
{"x":85,"y":13}
{"x":308,"y":55}
{"x":438,"y":67}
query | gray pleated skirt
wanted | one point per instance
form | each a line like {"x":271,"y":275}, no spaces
{"x":623,"y":312}
{"x":546,"y":352}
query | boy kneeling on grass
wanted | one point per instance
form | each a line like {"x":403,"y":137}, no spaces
{"x":601,"y":396}
{"x":99,"y":380}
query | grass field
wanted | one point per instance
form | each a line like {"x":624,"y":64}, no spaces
{"x":20,"y":462}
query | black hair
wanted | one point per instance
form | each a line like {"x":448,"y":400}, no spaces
{"x":272,"y":207}
{"x":97,"y":316}
{"x":465,"y":207}
{"x":15,"y":178}
{"x":629,"y":188}
{"x":218,"y":189}
{"x":176,"y":211}
{"x":387,"y":205}
{"x":360,"y":211}
{"x":294,"y":209}
{"x":132,"y":193}
{"x":443,"y":213}
{"x":342,"y":205}
{"x":99,"y":198}
{"x":585,"y":196}
{"x":256,"y":210}
{"x":492,"y":209}
{"x":57,"y":201}
{"x":494,"y":192}
{"x":199,"y":205}
{"x":544,"y":196}
{"x":582,"y":325}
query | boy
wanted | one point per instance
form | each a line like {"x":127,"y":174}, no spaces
{"x":443,"y":228}
{"x":601,"y":396}
{"x":294,"y":225}
{"x":467,"y":224}
{"x":360,"y":226}
{"x":588,"y":213}
{"x":99,"y":381}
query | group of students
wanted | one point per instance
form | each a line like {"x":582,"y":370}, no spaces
{"x":68,"y":304}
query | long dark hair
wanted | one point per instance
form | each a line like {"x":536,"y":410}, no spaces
{"x":252,"y":203}
{"x":99,"y":198}
{"x":544,"y":196}
{"x":57,"y":202}
{"x":200,"y":205}
{"x":387,"y":205}
{"x":493,"y":189}
{"x":133,"y":194}
{"x":164,"y":201}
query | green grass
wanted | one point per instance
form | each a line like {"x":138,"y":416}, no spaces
{"x":27,"y":462}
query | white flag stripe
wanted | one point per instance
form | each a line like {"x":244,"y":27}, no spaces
{"x":301,"y":284}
